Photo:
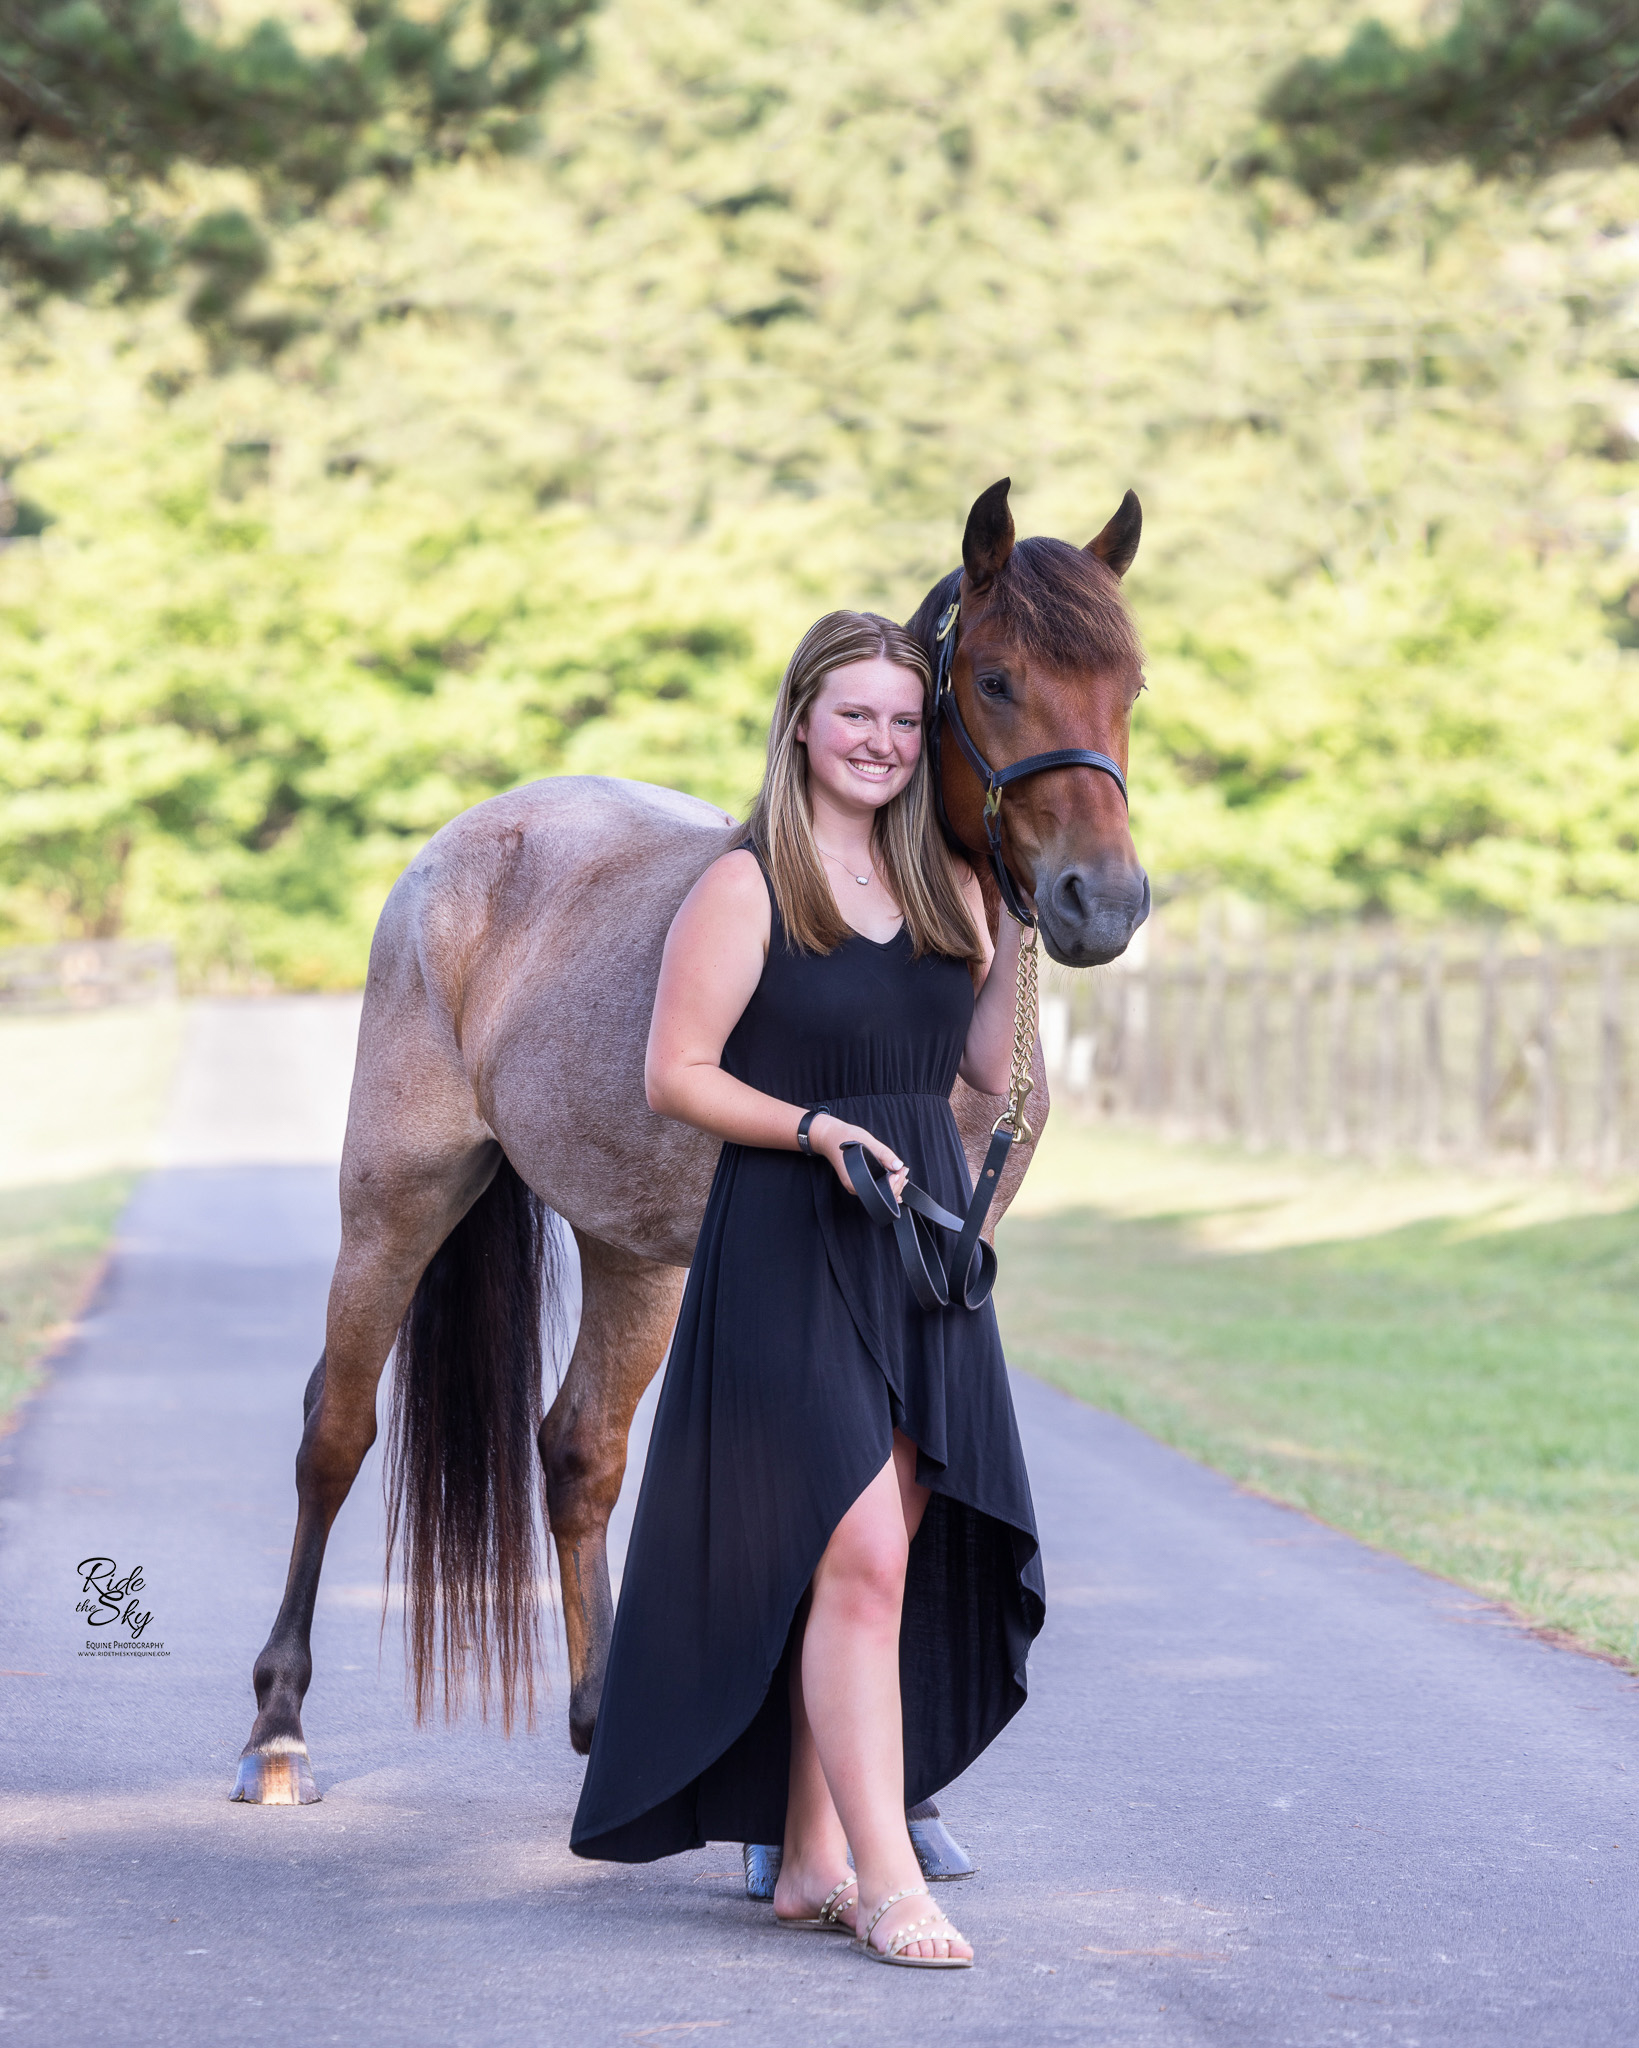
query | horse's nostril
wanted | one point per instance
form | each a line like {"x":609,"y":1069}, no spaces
{"x":1070,"y":896}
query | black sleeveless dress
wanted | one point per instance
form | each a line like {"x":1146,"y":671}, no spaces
{"x":798,"y":1351}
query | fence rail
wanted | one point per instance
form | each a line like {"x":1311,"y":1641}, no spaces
{"x":86,"y":974}
{"x":1478,"y":1049}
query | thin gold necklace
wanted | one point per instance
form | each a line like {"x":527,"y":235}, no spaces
{"x":864,"y":881}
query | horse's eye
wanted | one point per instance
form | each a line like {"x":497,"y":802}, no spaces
{"x":993,"y":685}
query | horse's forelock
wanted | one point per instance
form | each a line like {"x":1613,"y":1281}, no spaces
{"x":1058,"y":603}
{"x":1064,"y":608}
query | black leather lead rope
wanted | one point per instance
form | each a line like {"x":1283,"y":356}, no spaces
{"x":971,"y":1273}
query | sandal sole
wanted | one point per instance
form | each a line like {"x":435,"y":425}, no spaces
{"x":878,"y":1955}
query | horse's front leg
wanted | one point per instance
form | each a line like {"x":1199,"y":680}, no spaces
{"x":628,"y":1307}
{"x":392,"y":1225}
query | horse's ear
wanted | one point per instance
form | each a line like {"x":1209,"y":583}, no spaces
{"x":1118,"y":543}
{"x":988,"y":541}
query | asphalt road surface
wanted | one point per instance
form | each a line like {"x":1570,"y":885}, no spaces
{"x":1270,"y":1787}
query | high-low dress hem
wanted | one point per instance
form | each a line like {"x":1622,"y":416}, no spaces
{"x":798,"y":1352}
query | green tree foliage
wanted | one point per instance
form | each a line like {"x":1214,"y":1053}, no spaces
{"x":574,"y":444}
{"x":103,"y":102}
{"x":1507,"y":86}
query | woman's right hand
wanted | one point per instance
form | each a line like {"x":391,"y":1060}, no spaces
{"x":828,"y":1134}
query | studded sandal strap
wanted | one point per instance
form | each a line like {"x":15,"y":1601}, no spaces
{"x":911,"y":1891}
{"x":901,"y":1941}
{"x":833,"y":1898}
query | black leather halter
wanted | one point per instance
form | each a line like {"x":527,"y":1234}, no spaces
{"x":995,"y":780}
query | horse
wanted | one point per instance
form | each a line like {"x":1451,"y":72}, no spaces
{"x":499,"y":1077}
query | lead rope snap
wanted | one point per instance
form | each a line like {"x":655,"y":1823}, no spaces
{"x":1025,"y":1008}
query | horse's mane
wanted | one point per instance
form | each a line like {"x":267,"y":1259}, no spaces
{"x":1059,"y":603}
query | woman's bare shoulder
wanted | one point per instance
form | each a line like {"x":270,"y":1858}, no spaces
{"x":730,"y":893}
{"x":734,"y":881}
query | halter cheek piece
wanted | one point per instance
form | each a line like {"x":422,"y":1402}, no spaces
{"x":995,"y":780}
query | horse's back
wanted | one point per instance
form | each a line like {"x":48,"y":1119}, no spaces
{"x":525,"y":939}
{"x":519,"y":953}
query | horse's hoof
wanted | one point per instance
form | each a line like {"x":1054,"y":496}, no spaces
{"x":281,"y":1777}
{"x":762,"y":1860}
{"x":938,"y":1851}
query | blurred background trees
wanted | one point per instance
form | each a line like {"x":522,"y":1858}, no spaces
{"x":105,"y":105}
{"x":1509,"y":85}
{"x":539,"y":461}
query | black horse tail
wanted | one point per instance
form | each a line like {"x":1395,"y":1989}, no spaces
{"x":463,"y":1469}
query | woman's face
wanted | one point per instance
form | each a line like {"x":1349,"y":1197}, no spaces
{"x":864,"y":733}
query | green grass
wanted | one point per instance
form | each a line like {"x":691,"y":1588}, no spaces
{"x":1443,"y":1365}
{"x":51,"y":1243}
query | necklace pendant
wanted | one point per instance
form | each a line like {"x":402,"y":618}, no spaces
{"x":864,"y":881}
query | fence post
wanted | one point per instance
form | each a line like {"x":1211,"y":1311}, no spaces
{"x":1388,"y":1051}
{"x":1433,"y":1103}
{"x":1336,"y":1053}
{"x":1257,"y":1061}
{"x":1303,"y":986}
{"x":1185,"y":1007}
{"x":1546,"y":1147}
{"x":1128,"y":1096}
{"x":1154,"y":993}
{"x":1608,"y":1141}
{"x":1337,"y":1063}
{"x":1485,"y":1077}
{"x":1216,"y":1120}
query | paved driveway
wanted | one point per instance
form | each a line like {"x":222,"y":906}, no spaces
{"x":1271,"y":1787}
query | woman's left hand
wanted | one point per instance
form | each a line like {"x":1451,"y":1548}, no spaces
{"x":828,"y":1134}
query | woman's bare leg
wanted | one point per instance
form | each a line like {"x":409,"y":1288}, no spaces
{"x":847,"y":1749}
{"x":816,"y":1849}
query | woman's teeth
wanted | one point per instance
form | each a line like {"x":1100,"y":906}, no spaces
{"x":876,"y":768}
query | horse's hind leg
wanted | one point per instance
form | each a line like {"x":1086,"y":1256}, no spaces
{"x":398,"y":1206}
{"x":628,"y":1307}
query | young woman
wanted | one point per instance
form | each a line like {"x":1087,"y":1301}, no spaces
{"x":833,"y":1582}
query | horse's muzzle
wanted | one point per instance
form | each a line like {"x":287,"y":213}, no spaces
{"x":1089,"y":911}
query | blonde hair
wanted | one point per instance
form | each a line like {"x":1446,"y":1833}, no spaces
{"x":908,"y":846}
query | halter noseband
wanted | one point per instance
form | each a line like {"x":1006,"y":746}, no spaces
{"x":995,"y":780}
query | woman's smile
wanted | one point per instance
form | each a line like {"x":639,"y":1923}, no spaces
{"x":863,"y":735}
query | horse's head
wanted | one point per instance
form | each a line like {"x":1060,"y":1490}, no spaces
{"x":1046,"y":658}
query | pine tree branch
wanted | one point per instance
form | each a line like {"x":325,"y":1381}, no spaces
{"x":1507,"y":88}
{"x":127,"y":92}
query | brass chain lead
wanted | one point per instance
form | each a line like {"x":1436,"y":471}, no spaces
{"x":1025,"y":1006}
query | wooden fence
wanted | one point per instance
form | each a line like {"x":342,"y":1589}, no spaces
{"x":1469,"y":1048}
{"x":87,"y":974}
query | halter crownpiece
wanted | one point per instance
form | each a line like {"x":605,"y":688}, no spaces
{"x":995,"y":780}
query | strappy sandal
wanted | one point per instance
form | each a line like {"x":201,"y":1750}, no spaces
{"x":913,"y":1931}
{"x":827,"y":1920}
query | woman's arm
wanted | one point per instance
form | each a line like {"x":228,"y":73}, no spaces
{"x":708,"y":973}
{"x":987,"y":1058}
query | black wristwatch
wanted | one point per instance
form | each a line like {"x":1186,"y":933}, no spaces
{"x":808,"y":1116}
